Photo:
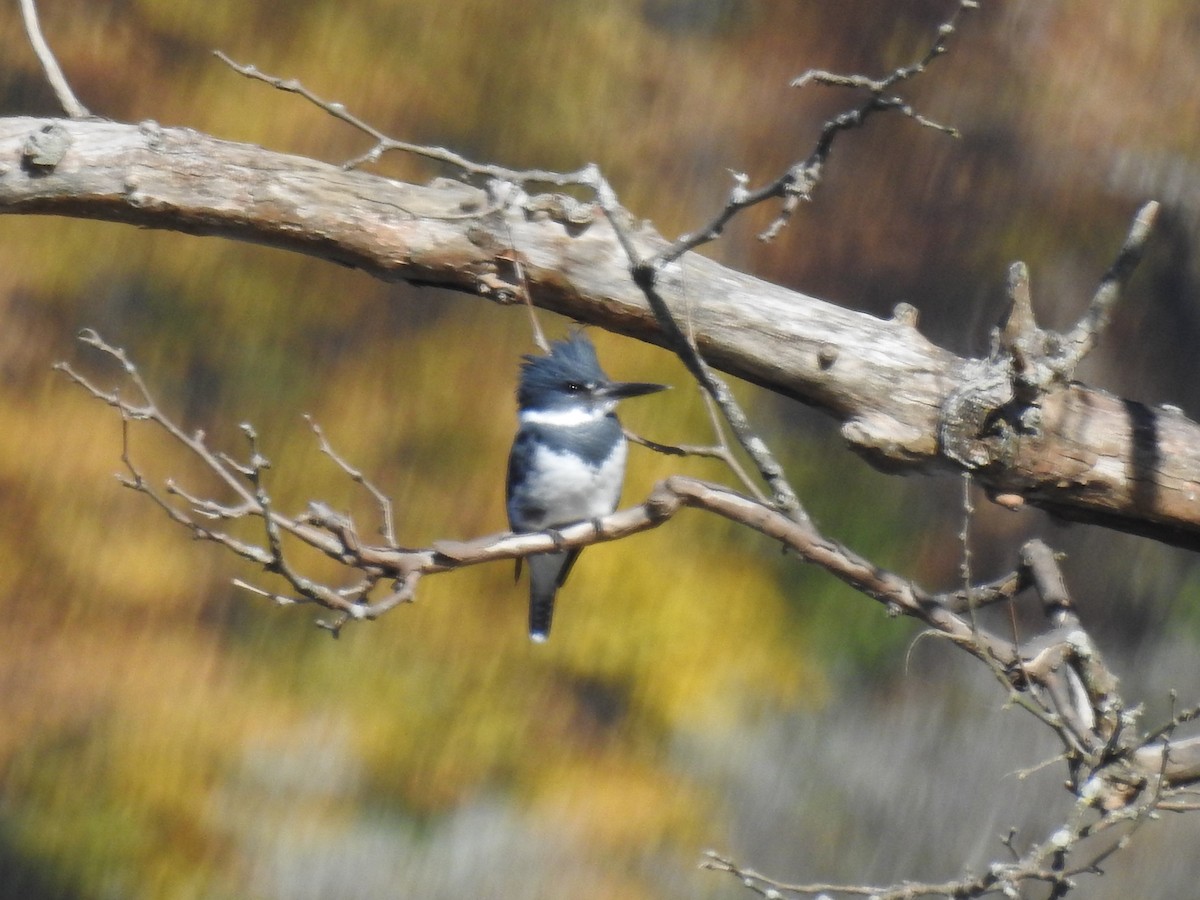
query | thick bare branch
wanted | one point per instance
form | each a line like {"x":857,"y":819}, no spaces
{"x":1094,"y":457}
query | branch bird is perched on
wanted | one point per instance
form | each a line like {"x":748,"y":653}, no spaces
{"x":568,"y":459}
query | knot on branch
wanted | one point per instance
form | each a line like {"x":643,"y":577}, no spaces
{"x":45,"y":148}
{"x":999,"y":397}
{"x":664,"y":501}
{"x":574,"y":215}
{"x":886,"y":441}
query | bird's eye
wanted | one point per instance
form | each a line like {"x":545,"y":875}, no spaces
{"x":574,"y":387}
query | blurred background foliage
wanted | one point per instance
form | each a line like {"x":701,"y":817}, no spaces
{"x":168,"y":736}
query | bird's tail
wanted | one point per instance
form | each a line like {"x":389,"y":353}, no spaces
{"x":547,"y":572}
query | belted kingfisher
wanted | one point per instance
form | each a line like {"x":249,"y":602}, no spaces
{"x":568,"y":460}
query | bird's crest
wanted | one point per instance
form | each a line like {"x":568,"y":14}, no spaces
{"x":571,"y":359}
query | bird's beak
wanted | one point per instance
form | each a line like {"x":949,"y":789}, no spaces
{"x":620,"y":390}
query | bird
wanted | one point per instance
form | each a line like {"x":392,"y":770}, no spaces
{"x":567,"y":462}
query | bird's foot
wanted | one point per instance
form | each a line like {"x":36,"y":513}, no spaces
{"x":555,"y":535}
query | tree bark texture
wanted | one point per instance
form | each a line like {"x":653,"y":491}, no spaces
{"x":904,"y":403}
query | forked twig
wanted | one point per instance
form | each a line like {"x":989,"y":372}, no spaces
{"x":800,"y":179}
{"x":356,"y":475}
{"x":721,"y":450}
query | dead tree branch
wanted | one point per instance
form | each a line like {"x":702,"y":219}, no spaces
{"x":1092,"y":456}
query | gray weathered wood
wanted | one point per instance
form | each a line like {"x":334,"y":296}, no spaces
{"x":902,"y":400}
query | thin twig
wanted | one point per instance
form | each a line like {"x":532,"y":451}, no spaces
{"x":383,"y":143}
{"x":1082,"y":338}
{"x":1001,"y":590}
{"x":730,"y":459}
{"x":645,"y":276}
{"x":54,"y":74}
{"x":720,"y":451}
{"x":539,"y":336}
{"x":1190,"y":714}
{"x":800,"y":180}
{"x":965,"y":538}
{"x":356,"y":475}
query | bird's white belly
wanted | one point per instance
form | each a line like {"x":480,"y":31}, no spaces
{"x":570,"y":490}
